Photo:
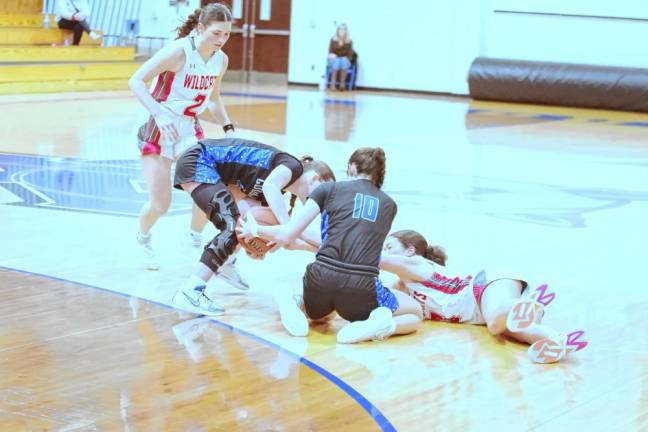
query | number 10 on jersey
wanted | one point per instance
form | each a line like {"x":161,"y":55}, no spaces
{"x":365,"y":207}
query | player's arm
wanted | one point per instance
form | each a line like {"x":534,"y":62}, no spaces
{"x":406,"y":268}
{"x":215,"y":111}
{"x":300,"y":244}
{"x":281,"y":234}
{"x":272,"y":188}
{"x":311,"y":238}
{"x":169,"y":58}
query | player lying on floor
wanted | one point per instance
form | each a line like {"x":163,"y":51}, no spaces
{"x":502,"y":304}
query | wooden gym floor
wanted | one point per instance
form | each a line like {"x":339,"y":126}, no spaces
{"x":89,"y":341}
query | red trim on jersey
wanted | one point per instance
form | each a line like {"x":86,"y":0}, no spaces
{"x":198,"y":130}
{"x":452,"y":319}
{"x":169,"y":77}
{"x":150,"y":148}
{"x":151,"y":133}
{"x":446,"y":285}
{"x":478,"y":292}
{"x":149,"y":136}
{"x":158,"y":86}
{"x":163,"y":86}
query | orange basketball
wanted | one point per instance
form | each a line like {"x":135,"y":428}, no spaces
{"x":263,"y":216}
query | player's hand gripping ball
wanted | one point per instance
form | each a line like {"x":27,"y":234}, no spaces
{"x":246,"y":226}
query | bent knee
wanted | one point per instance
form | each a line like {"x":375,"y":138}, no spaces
{"x":161,"y":206}
{"x":497,"y":324}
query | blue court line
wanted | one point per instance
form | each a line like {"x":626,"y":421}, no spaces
{"x":373,"y":412}
{"x":551,"y":117}
{"x":635,"y":123}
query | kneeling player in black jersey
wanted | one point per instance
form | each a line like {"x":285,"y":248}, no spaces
{"x":356,"y":218}
{"x":261,"y":173}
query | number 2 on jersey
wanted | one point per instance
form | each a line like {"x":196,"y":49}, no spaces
{"x":365,"y":207}
{"x":189,"y":111}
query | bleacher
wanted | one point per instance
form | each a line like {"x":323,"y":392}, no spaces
{"x":37,"y":57}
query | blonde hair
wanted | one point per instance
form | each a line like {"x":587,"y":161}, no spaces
{"x":336,"y":38}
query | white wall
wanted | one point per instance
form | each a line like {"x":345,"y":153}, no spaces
{"x":619,"y":40}
{"x":158,"y":19}
{"x":414,"y":45}
{"x":428,"y":45}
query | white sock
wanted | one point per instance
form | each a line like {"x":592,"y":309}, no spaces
{"x":143,"y":236}
{"x":195,"y":281}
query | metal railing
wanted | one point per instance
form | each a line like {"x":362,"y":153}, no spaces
{"x":117,"y":19}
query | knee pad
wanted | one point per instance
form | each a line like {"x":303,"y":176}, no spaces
{"x":219,"y":206}
{"x":219,"y":249}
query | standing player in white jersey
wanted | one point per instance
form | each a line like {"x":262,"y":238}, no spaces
{"x":186,"y":78}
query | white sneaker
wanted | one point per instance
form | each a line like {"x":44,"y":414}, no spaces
{"x":380,"y":325}
{"x":195,"y":239}
{"x":229,"y":274}
{"x":148,"y":252}
{"x":94,"y":36}
{"x":191,"y":298}
{"x":292,"y":317}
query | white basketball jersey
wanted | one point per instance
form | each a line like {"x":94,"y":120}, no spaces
{"x":447,"y":299}
{"x":185,"y":91}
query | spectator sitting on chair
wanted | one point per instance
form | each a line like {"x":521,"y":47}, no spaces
{"x":72,"y":15}
{"x":339,"y":58}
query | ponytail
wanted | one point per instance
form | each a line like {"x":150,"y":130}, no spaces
{"x":293,"y":200}
{"x":370,"y":161}
{"x":189,"y":24}
{"x":436,"y":254}
{"x":212,"y":12}
{"x":412,"y":238}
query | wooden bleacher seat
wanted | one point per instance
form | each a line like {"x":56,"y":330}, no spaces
{"x":36,"y":59}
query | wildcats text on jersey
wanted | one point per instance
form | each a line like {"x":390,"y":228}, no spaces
{"x":199,"y":82}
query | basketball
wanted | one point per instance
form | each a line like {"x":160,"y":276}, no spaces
{"x":263,"y":216}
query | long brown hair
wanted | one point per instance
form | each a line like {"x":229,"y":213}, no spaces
{"x":412,"y":238}
{"x":321,"y":168}
{"x":213,"y":12}
{"x":370,"y":161}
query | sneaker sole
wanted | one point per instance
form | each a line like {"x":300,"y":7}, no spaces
{"x":235,"y":283}
{"x":546,"y":351}
{"x":523,"y":314}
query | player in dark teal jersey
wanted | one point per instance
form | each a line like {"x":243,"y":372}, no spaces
{"x":356,"y":218}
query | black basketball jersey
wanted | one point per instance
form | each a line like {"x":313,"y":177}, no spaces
{"x":247,"y":163}
{"x":356,"y":218}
